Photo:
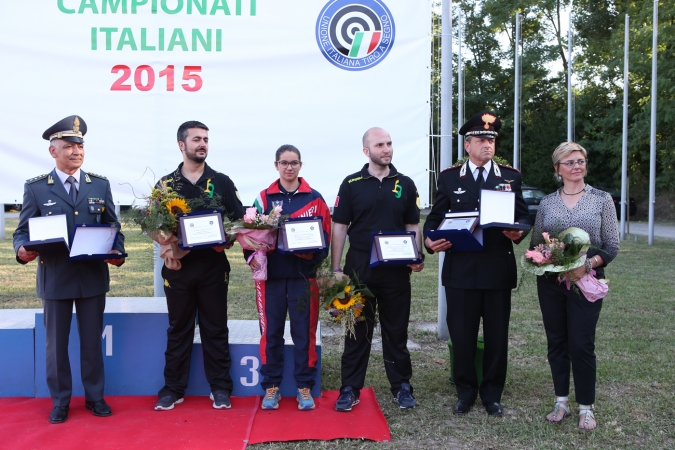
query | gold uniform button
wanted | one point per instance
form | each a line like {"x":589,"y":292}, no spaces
{"x":49,"y":213}
{"x":77,"y":213}
{"x":42,"y":262}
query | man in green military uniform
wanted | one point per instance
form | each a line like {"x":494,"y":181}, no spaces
{"x":84,"y":198}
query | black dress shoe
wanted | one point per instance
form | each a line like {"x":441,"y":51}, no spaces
{"x":494,"y":409}
{"x":99,"y":408}
{"x":462,"y":407}
{"x":59,"y":414}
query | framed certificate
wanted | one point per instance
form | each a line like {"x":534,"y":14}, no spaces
{"x":460,"y":228}
{"x":201,"y":229}
{"x":301,"y":235}
{"x":47,"y":234}
{"x":460,"y":221}
{"x":94,"y":241}
{"x":394,"y":249}
{"x":497,"y":209}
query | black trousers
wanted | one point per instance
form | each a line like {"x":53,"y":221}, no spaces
{"x":197,"y":287}
{"x":58,"y":315}
{"x":391,"y":287}
{"x":465,"y":309}
{"x":570,"y":321}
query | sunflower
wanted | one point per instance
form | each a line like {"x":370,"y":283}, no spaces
{"x":177,"y":205}
{"x":344,"y":307}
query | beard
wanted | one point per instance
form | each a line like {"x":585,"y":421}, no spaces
{"x":380,"y":161}
{"x":192,"y":156}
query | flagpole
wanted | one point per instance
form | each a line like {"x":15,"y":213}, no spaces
{"x":652,"y":139}
{"x":516,"y":102}
{"x":570,"y":131}
{"x":460,"y":85}
{"x":446,"y":141}
{"x":624,"y":139}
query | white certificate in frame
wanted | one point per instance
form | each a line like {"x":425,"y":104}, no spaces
{"x":395,"y":248}
{"x":302,"y":235}
{"x":202,"y":230}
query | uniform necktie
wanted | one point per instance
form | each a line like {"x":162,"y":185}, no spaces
{"x":480,"y":180}
{"x":73,"y":189}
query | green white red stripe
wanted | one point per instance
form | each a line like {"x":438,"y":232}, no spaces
{"x":364,"y":43}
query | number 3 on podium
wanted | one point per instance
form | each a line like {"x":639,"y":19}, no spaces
{"x":255,"y":363}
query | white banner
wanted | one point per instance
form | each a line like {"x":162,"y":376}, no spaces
{"x":259,"y":73}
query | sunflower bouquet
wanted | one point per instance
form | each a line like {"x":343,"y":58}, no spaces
{"x":342,"y":298}
{"x":159,"y":217}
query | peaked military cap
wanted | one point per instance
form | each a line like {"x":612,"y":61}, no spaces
{"x":484,"y":124}
{"x":72,"y":129}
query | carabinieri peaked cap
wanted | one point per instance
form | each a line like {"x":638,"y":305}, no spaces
{"x":72,"y":129}
{"x":485,"y":124}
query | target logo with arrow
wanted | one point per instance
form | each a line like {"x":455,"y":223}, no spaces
{"x":355,"y":35}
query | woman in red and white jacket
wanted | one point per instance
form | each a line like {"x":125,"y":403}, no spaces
{"x":290,"y":285}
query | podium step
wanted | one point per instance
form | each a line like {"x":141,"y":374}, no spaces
{"x":133,"y":342}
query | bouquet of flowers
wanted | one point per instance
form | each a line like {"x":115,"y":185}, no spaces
{"x":562,"y":254}
{"x":159,"y":220}
{"x":258,"y":232}
{"x":159,"y":216}
{"x":342,"y":298}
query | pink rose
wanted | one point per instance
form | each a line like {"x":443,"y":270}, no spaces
{"x":250,"y":215}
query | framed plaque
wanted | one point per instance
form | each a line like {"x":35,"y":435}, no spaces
{"x":201,"y":229}
{"x":394,"y":248}
{"x":460,"y":228}
{"x":47,"y":234}
{"x":94,"y":241}
{"x":301,"y":235}
{"x":497,"y":209}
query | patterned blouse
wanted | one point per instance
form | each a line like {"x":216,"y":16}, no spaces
{"x":594,"y":213}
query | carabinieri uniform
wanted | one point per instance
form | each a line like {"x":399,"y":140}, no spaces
{"x":200,"y":284}
{"x":290,"y":286}
{"x":368,"y":205}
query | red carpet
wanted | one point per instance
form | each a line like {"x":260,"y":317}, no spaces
{"x":324,"y":423}
{"x":193,"y":424}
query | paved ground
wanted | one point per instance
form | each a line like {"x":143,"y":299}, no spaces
{"x":665,"y":230}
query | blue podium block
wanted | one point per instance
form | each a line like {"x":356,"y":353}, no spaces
{"x":245,"y":369}
{"x":17,"y":352}
{"x":133,"y":344}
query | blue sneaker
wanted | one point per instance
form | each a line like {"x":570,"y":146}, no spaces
{"x":346,"y":400}
{"x":404,"y":398}
{"x":272,"y":397}
{"x":305,"y":400}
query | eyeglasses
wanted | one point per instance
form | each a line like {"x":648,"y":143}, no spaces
{"x":580,"y":162}
{"x":284,"y":164}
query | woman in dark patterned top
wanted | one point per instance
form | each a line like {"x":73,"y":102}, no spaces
{"x":569,"y":318}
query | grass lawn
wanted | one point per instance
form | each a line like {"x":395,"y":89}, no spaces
{"x":634,"y":344}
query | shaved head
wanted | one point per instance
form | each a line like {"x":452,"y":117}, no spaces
{"x":367,"y":134}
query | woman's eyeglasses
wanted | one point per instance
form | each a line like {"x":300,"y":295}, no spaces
{"x":284,"y":164}
{"x":580,"y":162}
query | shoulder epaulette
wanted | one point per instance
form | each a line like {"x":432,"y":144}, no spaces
{"x":450,"y":168}
{"x":508,"y":167}
{"x":38,"y":178}
{"x":97,"y":176}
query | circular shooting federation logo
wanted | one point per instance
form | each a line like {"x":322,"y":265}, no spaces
{"x":355,"y":34}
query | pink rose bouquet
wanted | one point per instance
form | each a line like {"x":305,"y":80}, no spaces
{"x":258,"y":232}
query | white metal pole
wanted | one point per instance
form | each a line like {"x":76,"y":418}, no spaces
{"x":652,"y":140}
{"x":570,"y":129}
{"x":446,"y":140}
{"x":624,"y":140}
{"x":516,"y":102}
{"x":460,"y":84}
{"x":2,"y":221}
{"x":159,"y":263}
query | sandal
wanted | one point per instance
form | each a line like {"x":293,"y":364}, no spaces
{"x":587,"y":412}
{"x":558,"y":406}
